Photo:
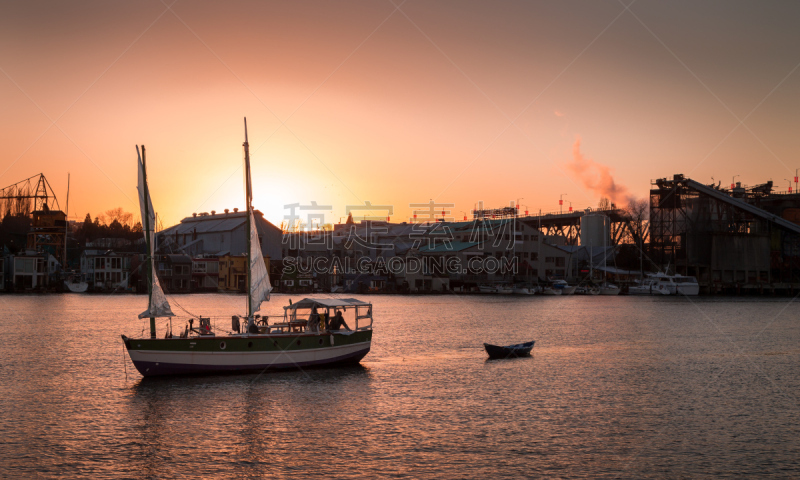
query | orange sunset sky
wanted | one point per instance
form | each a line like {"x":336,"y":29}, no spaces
{"x":394,"y":102}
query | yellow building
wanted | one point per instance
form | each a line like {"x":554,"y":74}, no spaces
{"x":233,"y":272}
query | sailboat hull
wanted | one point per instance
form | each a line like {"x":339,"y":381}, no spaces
{"x":242,"y":354}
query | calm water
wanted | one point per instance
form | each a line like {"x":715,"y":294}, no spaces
{"x":619,"y":387}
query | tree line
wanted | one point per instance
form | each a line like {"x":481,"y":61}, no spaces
{"x":114,"y":223}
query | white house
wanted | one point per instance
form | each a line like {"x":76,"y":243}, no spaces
{"x":105,"y":269}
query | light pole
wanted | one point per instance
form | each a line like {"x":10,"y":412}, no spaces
{"x":790,"y":184}
{"x":517,"y":205}
{"x":733,"y":182}
{"x":795,"y":178}
{"x":561,"y":203}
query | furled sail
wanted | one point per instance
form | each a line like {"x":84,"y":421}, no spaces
{"x":259,"y":277}
{"x":159,"y":306}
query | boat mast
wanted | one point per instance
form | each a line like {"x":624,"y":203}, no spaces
{"x":149,"y":259}
{"x":248,"y":201}
{"x":539,"y":249}
{"x":66,"y":227}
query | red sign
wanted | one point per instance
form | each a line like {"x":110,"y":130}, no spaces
{"x":570,"y":208}
{"x":561,"y":202}
{"x":733,"y":186}
{"x":795,"y":179}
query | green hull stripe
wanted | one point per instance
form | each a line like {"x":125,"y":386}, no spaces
{"x":247,"y":344}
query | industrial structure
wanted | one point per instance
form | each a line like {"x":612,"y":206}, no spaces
{"x":622,"y":227}
{"x":727,"y":238}
{"x":34,"y":198}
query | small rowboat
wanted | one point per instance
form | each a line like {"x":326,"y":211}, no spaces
{"x":509,"y":351}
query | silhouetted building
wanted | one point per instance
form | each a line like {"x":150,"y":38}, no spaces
{"x":219,"y":234}
{"x":725,"y":237}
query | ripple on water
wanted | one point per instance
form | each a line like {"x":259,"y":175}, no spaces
{"x":616,"y":387}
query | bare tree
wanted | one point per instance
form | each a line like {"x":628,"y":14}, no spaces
{"x":118,"y":214}
{"x":638,"y":211}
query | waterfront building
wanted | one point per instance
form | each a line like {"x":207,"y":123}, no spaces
{"x":297,"y":282}
{"x":106,"y":270}
{"x":205,"y":274}
{"x":585,"y":261}
{"x":30,"y":270}
{"x":479,"y":248}
{"x":365,"y":282}
{"x":175,"y":273}
{"x":432,"y":273}
{"x":232,"y":273}
{"x":219,"y":234}
{"x":47,"y":232}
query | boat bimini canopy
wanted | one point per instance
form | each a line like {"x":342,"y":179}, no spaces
{"x":360,"y":311}
{"x":308,"y":303}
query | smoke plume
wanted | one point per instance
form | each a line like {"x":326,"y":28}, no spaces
{"x":597,"y":177}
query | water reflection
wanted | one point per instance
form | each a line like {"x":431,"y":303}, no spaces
{"x":664,"y":388}
{"x":509,"y":360}
{"x":251,"y":424}
{"x":150,"y":385}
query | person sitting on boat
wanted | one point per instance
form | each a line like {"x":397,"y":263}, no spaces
{"x":313,"y":318}
{"x":337,"y":321}
{"x":251,"y":326}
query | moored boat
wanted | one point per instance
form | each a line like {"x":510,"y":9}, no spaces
{"x":609,"y":289}
{"x":523,"y":290}
{"x":565,"y":288}
{"x":648,"y":287}
{"x":308,"y":332}
{"x":76,"y":284}
{"x":509,"y":351}
{"x":676,"y":284}
{"x":551,"y":291}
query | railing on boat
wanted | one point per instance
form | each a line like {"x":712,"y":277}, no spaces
{"x":362,"y":316}
{"x":292,"y":323}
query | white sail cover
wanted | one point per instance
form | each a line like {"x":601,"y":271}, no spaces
{"x":259,"y":277}
{"x":159,"y":306}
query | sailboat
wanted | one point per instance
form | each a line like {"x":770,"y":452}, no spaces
{"x":74,"y":282}
{"x":307,"y":334}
